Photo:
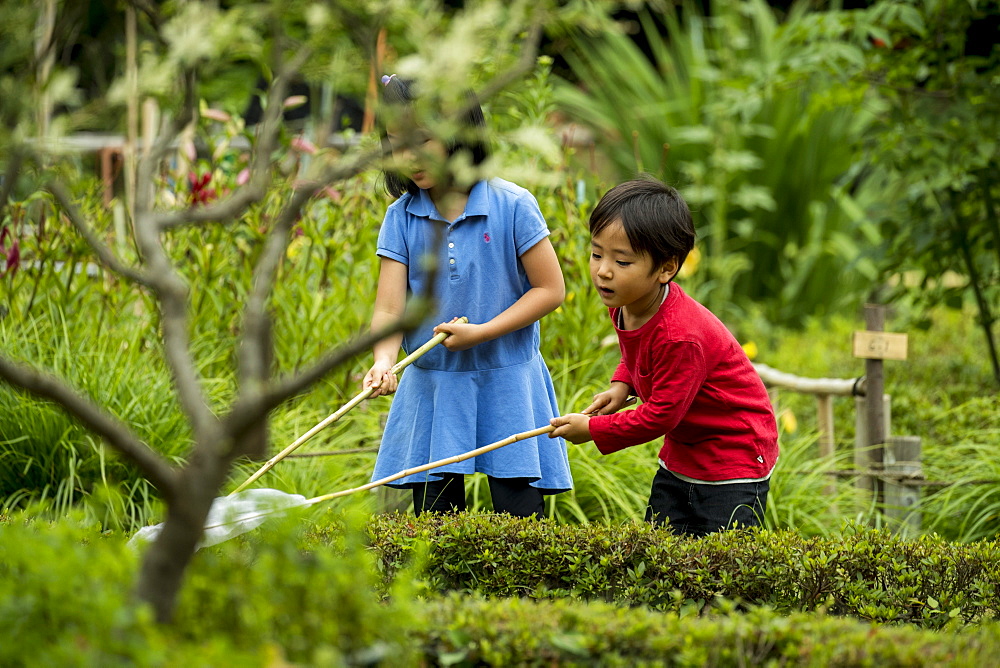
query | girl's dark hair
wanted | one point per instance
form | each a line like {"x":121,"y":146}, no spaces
{"x":656,"y":219}
{"x":471,"y":138}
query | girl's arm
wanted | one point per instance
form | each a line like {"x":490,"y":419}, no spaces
{"x":546,"y":294}
{"x":390,"y":302}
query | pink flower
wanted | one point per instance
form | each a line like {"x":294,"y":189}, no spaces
{"x":295,"y":101}
{"x":243,"y":177}
{"x":303,"y":145}
{"x":216,"y":115}
{"x":11,"y":254}
{"x":189,"y":151}
{"x":330,"y":193}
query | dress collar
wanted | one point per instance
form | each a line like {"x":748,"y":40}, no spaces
{"x":478,"y":204}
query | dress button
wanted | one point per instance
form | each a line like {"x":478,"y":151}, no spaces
{"x":451,"y":245}
{"x":451,"y":261}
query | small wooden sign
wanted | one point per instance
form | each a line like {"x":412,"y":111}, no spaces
{"x":880,"y":345}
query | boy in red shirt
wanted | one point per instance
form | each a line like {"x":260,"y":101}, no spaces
{"x":697,"y":386}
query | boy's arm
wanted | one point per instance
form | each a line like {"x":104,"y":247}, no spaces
{"x":673,"y":386}
{"x":611,"y":400}
{"x":622,"y":375}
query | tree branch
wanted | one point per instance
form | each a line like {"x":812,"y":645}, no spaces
{"x":252,"y":405}
{"x":170,"y":288}
{"x":109,"y":428}
{"x":524,"y":64}
{"x":104,"y":254}
{"x":233,"y":207}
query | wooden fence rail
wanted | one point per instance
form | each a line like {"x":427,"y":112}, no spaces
{"x":893,"y":475}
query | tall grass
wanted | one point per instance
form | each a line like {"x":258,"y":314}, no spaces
{"x":731,"y":109}
{"x":101,"y":334}
{"x":328,"y":280}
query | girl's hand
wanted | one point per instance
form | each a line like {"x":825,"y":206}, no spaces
{"x":574,"y":427}
{"x":610,"y":401}
{"x":378,"y":376}
{"x":462,"y":335}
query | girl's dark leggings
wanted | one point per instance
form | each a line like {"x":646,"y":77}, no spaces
{"x":514,"y":496}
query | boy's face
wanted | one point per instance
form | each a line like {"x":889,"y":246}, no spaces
{"x":624,"y":277}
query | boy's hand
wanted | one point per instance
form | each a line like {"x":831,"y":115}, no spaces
{"x":378,"y":376}
{"x":611,"y":400}
{"x":462,"y":335}
{"x":574,"y":427}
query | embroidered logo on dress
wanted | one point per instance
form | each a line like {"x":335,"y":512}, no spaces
{"x":486,"y":237}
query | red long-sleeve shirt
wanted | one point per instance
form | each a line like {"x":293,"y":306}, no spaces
{"x":698,"y":390}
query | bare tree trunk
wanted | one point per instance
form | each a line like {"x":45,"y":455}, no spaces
{"x":986,"y":318}
{"x":166,"y":560}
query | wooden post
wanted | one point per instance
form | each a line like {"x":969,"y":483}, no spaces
{"x":865,"y":483}
{"x":874,"y":408}
{"x":902,"y":497}
{"x":827,"y":442}
{"x":131,"y":110}
{"x":874,"y":345}
{"x":45,"y":58}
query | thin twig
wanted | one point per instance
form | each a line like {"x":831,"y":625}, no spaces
{"x":103,"y":252}
{"x":331,"y":453}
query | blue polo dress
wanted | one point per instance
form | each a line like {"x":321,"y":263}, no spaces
{"x":449,"y":403}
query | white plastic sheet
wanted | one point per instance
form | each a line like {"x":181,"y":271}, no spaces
{"x":233,"y":515}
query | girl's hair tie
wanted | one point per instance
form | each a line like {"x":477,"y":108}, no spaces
{"x":386,"y":78}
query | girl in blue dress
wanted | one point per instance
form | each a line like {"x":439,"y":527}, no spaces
{"x":487,"y":381}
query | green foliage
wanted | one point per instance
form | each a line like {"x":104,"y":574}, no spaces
{"x":934,"y":148}
{"x":66,"y":601}
{"x":45,"y":455}
{"x":324,"y":297}
{"x":65,"y":598}
{"x":469,"y":631}
{"x":861,"y":573}
{"x":320,"y":606}
{"x":735,"y":110}
{"x":283,"y":595}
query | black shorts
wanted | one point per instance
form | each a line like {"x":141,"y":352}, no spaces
{"x":698,"y":509}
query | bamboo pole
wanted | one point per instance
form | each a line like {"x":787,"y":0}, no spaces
{"x":396,"y":476}
{"x":132,"y":109}
{"x":45,"y":57}
{"x":433,"y":465}
{"x":843,"y":387}
{"x":340,"y":412}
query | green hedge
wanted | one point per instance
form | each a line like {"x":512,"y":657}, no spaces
{"x":279,"y":596}
{"x":866,"y":573}
{"x":471,"y":631}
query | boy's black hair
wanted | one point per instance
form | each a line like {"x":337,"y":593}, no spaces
{"x":470,"y":139}
{"x":656,"y":219}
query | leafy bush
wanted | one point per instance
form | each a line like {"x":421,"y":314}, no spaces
{"x":864,"y":573}
{"x":280,"y":596}
{"x":477,"y":631}
{"x":256,"y":602}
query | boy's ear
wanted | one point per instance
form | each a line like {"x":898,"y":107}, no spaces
{"x":668,"y":270}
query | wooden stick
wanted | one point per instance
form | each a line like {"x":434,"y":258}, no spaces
{"x":402,"y":474}
{"x":433,"y":465}
{"x":364,"y":394}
